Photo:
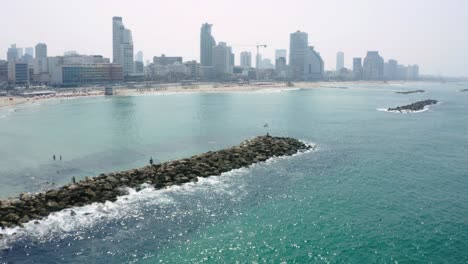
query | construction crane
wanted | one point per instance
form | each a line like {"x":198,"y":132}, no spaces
{"x":258,"y":46}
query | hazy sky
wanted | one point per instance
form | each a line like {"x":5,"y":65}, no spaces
{"x":431,"y":33}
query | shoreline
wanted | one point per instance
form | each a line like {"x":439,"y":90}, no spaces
{"x":12,"y":101}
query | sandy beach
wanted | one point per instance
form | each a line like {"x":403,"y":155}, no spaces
{"x":8,"y":101}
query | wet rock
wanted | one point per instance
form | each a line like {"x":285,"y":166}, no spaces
{"x":24,"y":220}
{"x":12,"y":218}
{"x":418,"y":106}
{"x":107,"y":187}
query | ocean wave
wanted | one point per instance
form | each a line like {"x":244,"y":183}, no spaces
{"x":68,"y":222}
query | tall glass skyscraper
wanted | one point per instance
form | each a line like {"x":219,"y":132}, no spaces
{"x":207,"y":43}
{"x":122,"y":46}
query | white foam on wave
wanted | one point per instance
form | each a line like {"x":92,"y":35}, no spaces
{"x":71,"y":221}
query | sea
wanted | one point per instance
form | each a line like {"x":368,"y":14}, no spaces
{"x":380,"y":187}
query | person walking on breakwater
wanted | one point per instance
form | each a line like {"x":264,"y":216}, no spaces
{"x":53,"y":156}
{"x":151,"y":160}
{"x":60,"y":157}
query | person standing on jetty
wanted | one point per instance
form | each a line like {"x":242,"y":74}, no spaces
{"x":151,"y":161}
{"x":53,"y":156}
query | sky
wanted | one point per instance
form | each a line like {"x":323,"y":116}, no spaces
{"x":430,"y":33}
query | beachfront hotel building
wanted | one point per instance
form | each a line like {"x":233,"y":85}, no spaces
{"x":305,"y":63}
{"x":18,"y":73}
{"x":298,"y":48}
{"x":82,"y":70}
{"x":222,"y":55}
{"x":373,"y":68}
{"x":122,"y":45}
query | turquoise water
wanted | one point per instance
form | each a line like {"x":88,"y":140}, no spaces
{"x":381,"y":188}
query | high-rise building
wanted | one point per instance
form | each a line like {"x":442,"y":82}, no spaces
{"x":413,"y":72}
{"x":280,"y":53}
{"x":41,"y":50}
{"x":314,"y":68}
{"x":12,"y":53}
{"x":339,"y":61}
{"x":246,"y":59}
{"x":20,"y":52}
{"x":373,"y":68}
{"x":3,"y":71}
{"x":29,"y":51}
{"x":122,"y":46}
{"x":207,"y":43}
{"x":281,"y":68}
{"x":222,"y":55}
{"x":18,"y":73}
{"x":304,"y":62}
{"x":390,"y":70}
{"x":298,"y":49}
{"x":139,"y":56}
{"x":40,"y":62}
{"x":357,"y":68}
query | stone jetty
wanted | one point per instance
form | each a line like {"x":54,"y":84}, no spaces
{"x":411,"y":92}
{"x":107,"y":187}
{"x":418,"y":106}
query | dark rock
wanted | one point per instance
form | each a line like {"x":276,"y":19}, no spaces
{"x":24,"y":220}
{"x":418,"y":106}
{"x":107,"y":187}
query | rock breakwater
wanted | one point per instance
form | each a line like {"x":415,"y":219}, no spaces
{"x":418,"y":106}
{"x":411,"y":92}
{"x":107,"y":187}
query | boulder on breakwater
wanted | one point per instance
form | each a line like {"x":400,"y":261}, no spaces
{"x":464,"y":90}
{"x":411,"y":92}
{"x":418,"y":106}
{"x":107,"y":187}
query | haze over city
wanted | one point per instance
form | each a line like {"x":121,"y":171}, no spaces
{"x":428,"y":33}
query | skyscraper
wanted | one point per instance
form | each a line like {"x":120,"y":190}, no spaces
{"x":20,"y":52}
{"x":40,"y":61}
{"x":12,"y":53}
{"x":339,"y":61}
{"x":29,"y":51}
{"x":304,"y":62}
{"x":207,"y":43}
{"x":314,"y":68}
{"x":222,"y":55}
{"x":298,"y":50}
{"x":246,"y":59}
{"x":373,"y":68}
{"x":41,"y":51}
{"x":122,"y":46}
{"x":390,"y":70}
{"x":357,"y":68}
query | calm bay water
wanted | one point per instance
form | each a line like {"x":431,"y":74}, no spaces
{"x":381,"y":188}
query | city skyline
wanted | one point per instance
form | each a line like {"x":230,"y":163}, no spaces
{"x":400,"y":39}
